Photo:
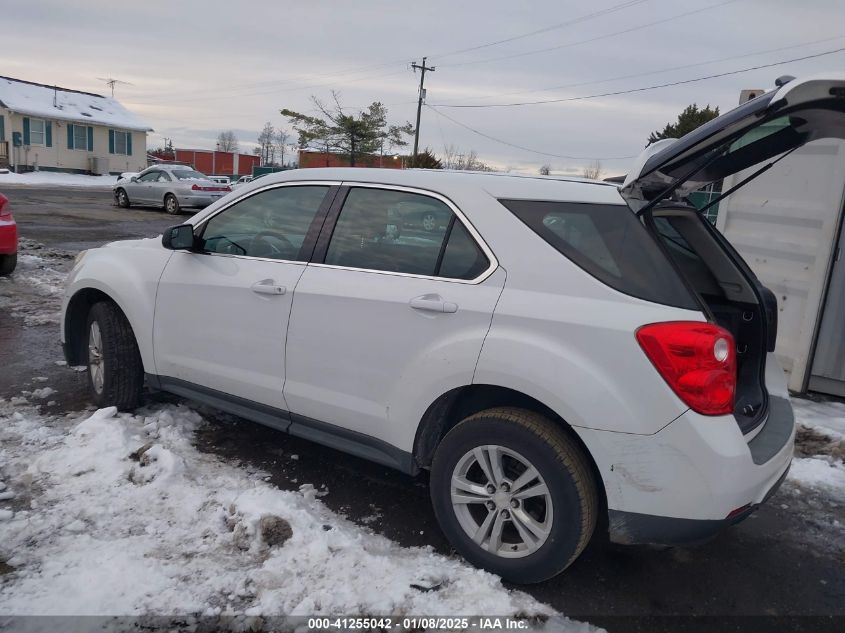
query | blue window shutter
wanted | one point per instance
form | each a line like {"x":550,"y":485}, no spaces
{"x":26,"y":130}
{"x":129,"y":143}
{"x":69,"y":136}
{"x":48,"y":134}
{"x":90,"y":139}
{"x":111,"y":141}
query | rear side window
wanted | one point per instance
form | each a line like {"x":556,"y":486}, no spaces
{"x":610,"y":243}
{"x":403,"y":232}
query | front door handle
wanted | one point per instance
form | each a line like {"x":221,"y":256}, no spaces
{"x":433,"y":303}
{"x":268,"y":287}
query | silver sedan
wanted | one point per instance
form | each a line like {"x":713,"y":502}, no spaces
{"x":171,"y":186}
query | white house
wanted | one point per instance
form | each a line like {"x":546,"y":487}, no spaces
{"x":57,"y":129}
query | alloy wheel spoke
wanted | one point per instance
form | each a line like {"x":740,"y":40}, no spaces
{"x":496,"y":533}
{"x":484,"y":529}
{"x":467,"y":491}
{"x":525,"y":478}
{"x":481,"y":457}
{"x":535,"y":527}
{"x":534,"y":491}
{"x":530,"y":539}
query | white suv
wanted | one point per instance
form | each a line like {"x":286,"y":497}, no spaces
{"x":552,"y":355}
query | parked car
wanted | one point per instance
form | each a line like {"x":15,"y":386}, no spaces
{"x":127,"y":175}
{"x":174,"y":187}
{"x":8,"y":238}
{"x":560,"y":349}
{"x":240,"y":182}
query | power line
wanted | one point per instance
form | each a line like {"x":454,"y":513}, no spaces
{"x":589,"y":40}
{"x":522,"y":147}
{"x":662,"y":70}
{"x":546,"y":29}
{"x":645,"y":88}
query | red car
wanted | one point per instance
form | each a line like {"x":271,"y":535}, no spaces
{"x":8,"y":237}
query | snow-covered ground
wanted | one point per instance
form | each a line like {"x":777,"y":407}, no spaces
{"x":34,"y":291}
{"x":108,"y":513}
{"x":57,"y":179}
{"x":825,"y":470}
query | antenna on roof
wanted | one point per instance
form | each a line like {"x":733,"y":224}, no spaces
{"x":111,"y":81}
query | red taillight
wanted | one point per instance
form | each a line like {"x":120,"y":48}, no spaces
{"x":200,"y":188}
{"x":5,"y":207}
{"x":227,"y":188}
{"x":698,"y":360}
{"x":196,"y":188}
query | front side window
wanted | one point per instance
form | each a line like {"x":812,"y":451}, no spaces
{"x":610,"y":243}
{"x":271,"y":224}
{"x":37,"y":135}
{"x":397,"y":231}
{"x":151,"y":176}
{"x":80,"y":137}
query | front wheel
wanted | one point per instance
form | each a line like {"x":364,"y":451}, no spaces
{"x":171,"y":204}
{"x":8,"y":263}
{"x":429,"y":222}
{"x":122,"y":199}
{"x":514,"y":494}
{"x":115,"y":370}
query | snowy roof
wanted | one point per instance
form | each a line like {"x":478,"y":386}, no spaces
{"x":52,"y":102}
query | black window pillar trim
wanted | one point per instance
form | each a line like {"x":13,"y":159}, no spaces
{"x":328,"y":225}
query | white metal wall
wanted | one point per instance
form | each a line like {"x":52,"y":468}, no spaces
{"x":784,"y":224}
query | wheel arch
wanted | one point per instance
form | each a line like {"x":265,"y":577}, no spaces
{"x":76,"y":320}
{"x":456,"y":404}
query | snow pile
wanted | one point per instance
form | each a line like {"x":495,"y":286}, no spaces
{"x":67,"y":105}
{"x":120,"y":514}
{"x":825,"y":471}
{"x":34,"y":291}
{"x":56,"y":179}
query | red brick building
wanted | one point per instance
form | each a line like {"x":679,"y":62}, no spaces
{"x":310,"y":158}
{"x":218,"y":163}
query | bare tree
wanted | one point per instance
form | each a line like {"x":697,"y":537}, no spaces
{"x":454,"y":158}
{"x":282,"y":137}
{"x":593,"y":170}
{"x":545,"y":170}
{"x":227,"y":141}
{"x":265,"y":142}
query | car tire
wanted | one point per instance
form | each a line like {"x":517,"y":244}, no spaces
{"x":429,"y":222}
{"x":115,"y":370}
{"x":539,"y":535}
{"x":171,"y":204}
{"x":122,"y":199}
{"x":8,"y":263}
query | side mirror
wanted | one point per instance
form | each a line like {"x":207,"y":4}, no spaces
{"x":179,"y":238}
{"x":133,"y":179}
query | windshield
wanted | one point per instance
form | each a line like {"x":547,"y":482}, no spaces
{"x":188,"y":174}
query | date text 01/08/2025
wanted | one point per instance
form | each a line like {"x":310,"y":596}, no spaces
{"x":481,"y":623}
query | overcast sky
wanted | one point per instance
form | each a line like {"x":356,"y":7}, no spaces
{"x":195,"y":68}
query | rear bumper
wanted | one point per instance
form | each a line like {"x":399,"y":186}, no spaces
{"x":8,"y":237}
{"x":197,"y":201}
{"x":696,"y":476}
{"x":632,"y":527}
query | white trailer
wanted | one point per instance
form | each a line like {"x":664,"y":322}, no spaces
{"x":787,"y":224}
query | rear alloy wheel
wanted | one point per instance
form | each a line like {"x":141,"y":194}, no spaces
{"x":122,"y":199}
{"x":8,"y":263}
{"x":115,"y":370}
{"x":171,"y":204}
{"x":514,"y":494}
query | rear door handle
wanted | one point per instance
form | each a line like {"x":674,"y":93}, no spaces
{"x":268,"y":287}
{"x":433,"y":303}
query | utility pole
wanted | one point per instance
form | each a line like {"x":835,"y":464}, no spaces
{"x":422,"y":68}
